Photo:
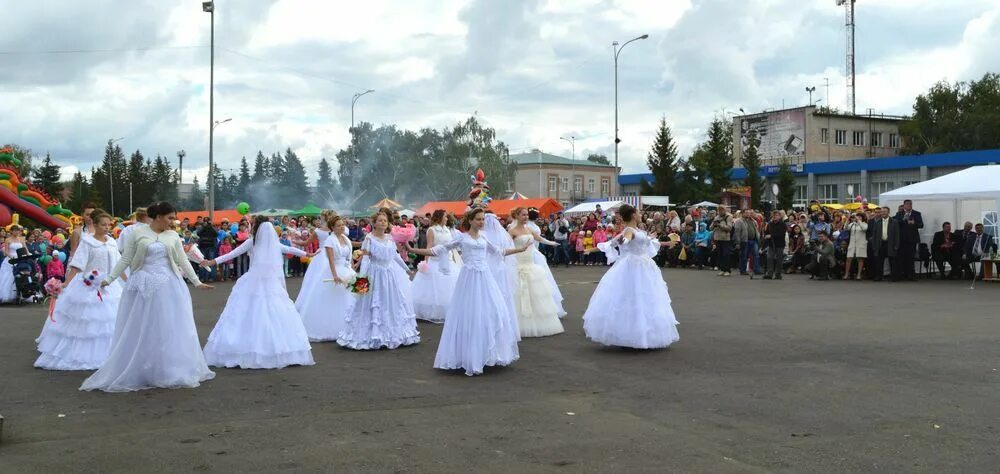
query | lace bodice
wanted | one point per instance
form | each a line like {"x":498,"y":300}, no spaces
{"x":524,"y":258}
{"x":341,"y":253}
{"x":474,"y":251}
{"x":157,"y":260}
{"x":639,"y":246}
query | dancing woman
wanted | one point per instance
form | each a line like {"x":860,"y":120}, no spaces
{"x":539,"y":257}
{"x":78,"y":335}
{"x":313,"y":279}
{"x":259,"y":327}
{"x":383,"y":317}
{"x":13,"y":243}
{"x":324,"y":310}
{"x":155,"y":342}
{"x":537,"y":314}
{"x":433,"y":286}
{"x":631,"y":305}
{"x":478,"y":331}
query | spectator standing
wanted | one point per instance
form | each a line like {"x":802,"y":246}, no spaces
{"x":207,"y":245}
{"x":775,"y":232}
{"x":560,"y":233}
{"x":910,"y":223}
{"x":722,"y":228}
{"x":823,"y":259}
{"x":857,"y":247}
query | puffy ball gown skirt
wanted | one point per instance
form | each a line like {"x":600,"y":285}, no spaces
{"x":259,"y":327}
{"x":78,"y":335}
{"x":8,"y":289}
{"x":383,"y":317}
{"x":631,"y":307}
{"x":432,"y":290}
{"x":324,"y":310}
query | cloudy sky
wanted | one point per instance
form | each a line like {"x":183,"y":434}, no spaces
{"x":78,"y":73}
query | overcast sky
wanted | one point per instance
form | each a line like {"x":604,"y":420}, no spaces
{"x":78,"y":73}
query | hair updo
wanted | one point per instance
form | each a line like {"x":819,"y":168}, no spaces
{"x":162,"y":208}
{"x":439,"y":217}
{"x":470,"y":216}
{"x":627,"y":212}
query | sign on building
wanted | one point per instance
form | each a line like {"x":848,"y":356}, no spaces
{"x":782,"y":134}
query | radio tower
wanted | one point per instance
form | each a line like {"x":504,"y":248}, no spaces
{"x":849,"y":23}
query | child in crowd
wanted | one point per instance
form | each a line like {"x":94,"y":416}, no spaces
{"x":287,"y":242}
{"x":588,"y":248}
{"x":55,"y":268}
{"x":225,"y":247}
{"x":576,"y":247}
{"x":600,"y":236}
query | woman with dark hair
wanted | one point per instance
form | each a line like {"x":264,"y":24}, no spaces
{"x":155,"y":342}
{"x":13,"y":242}
{"x":434,"y":282}
{"x":324,"y":310}
{"x":313,"y":281}
{"x":631,"y":305}
{"x":259,"y":328}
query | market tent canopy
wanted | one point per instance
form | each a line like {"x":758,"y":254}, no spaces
{"x":228,"y":214}
{"x":273,"y":212}
{"x":309,"y":210}
{"x":501,"y":207}
{"x":588,"y":207}
{"x":516,"y":195}
{"x":655,"y":201}
{"x":389,"y":203}
{"x":705,"y":204}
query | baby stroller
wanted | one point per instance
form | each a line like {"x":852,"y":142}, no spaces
{"x":27,"y":278}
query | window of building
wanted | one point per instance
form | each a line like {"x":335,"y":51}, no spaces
{"x":893,"y":140}
{"x":552,"y":184}
{"x":859,"y":138}
{"x":878,"y":188}
{"x":564,"y":184}
{"x":841,"y":137}
{"x":577,"y":184}
{"x":605,"y":186}
{"x":801,"y":199}
{"x":824,"y":135}
{"x":591,"y":185}
{"x":877,"y":139}
{"x":827,"y":193}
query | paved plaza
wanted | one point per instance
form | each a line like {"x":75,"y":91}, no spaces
{"x":794,"y":375}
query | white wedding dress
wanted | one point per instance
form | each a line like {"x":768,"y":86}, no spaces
{"x":631,"y":305}
{"x":313,"y":278}
{"x":324,"y":311}
{"x":259,"y":328}
{"x":543,"y":264}
{"x":537,"y":314}
{"x":479,"y":330}
{"x":155,"y":344}
{"x":383,"y":317}
{"x":432,"y":289}
{"x":77,"y":336}
{"x":8,"y":290}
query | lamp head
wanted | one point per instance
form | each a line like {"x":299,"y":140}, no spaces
{"x":644,"y":37}
{"x":208,"y":7}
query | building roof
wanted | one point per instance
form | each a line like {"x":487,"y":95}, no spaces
{"x":538,"y":157}
{"x":628,"y":179}
{"x":823,"y":112}
{"x":936,"y":160}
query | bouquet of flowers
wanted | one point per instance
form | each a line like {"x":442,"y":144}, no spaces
{"x":422,"y":267}
{"x":360,"y":285}
{"x":356,"y":255}
{"x":52,"y":289}
{"x":93,"y":280}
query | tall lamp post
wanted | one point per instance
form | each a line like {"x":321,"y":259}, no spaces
{"x":111,"y":174}
{"x":618,"y":50}
{"x":354,"y":152}
{"x":209,"y":7}
{"x":572,"y":142}
{"x":354,"y":100}
{"x":810,"y":90}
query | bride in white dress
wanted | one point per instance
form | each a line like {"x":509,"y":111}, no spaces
{"x":540,"y":260}
{"x":259,"y":327}
{"x":432,"y":288}
{"x":8,"y":288}
{"x":478,"y":330}
{"x":155,"y":342}
{"x":631,"y":305}
{"x":383,"y":317}
{"x":537,"y":314}
{"x":78,"y":334}
{"x":315,"y":274}
{"x":325,"y":310}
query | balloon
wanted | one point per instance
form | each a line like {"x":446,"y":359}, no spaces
{"x":47,"y":235}
{"x":480,"y":176}
{"x":243,"y":208}
{"x":234,"y":228}
{"x":62,"y":257}
{"x":44,"y":259}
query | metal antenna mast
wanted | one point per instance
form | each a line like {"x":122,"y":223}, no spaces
{"x":849,"y":24}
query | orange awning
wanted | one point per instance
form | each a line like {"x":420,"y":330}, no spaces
{"x":501,"y":207}
{"x":229,"y":214}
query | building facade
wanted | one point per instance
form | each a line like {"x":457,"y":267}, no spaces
{"x":813,"y":134}
{"x":543,"y":175}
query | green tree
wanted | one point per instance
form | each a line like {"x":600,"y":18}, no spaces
{"x":662,"y":161}
{"x":260,"y":169}
{"x":324,"y":183}
{"x":295,"y":185}
{"x":276,"y":169}
{"x":24,"y":156}
{"x":751,"y":163}
{"x":48,"y":177}
{"x":196,"y":201}
{"x":164,"y":181}
{"x":79,"y":190}
{"x":139,"y":183}
{"x":690,"y":183}
{"x":713,"y":158}
{"x":955,"y":117}
{"x":598,"y":158}
{"x":786,"y":185}
{"x":110,"y":178}
{"x":243,"y":183}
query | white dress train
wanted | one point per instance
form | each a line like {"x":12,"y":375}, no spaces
{"x":543,"y":264}
{"x":8,"y":289}
{"x":631,"y":305}
{"x":478,"y":330}
{"x":313,"y":278}
{"x":77,"y":336}
{"x":324,"y":310}
{"x":259,"y":328}
{"x":432,"y":289}
{"x":383,"y":317}
{"x":537,"y":314}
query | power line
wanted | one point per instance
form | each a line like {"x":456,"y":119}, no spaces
{"x":92,"y":51}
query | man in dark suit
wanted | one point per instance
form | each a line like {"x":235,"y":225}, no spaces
{"x":879,"y":230}
{"x":978,"y":245}
{"x":943,"y":249}
{"x":961,"y":236}
{"x":910,"y":223}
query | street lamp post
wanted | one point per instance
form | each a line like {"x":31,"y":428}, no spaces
{"x":354,"y":100}
{"x":354,"y":151}
{"x":810,"y":90}
{"x":572,"y":142}
{"x":618,"y":50}
{"x":209,"y":7}
{"x":111,"y":173}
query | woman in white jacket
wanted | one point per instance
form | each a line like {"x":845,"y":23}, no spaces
{"x":857,"y":246}
{"x":155,"y":342}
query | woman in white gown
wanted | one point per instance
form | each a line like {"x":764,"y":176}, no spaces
{"x":537,"y":314}
{"x":540,"y":260}
{"x":8,"y":289}
{"x":315,"y":274}
{"x":155,"y":342}
{"x":324,"y":311}
{"x":383,"y":317}
{"x":478,"y":330}
{"x":433,"y":287}
{"x":78,"y":334}
{"x":259,"y":328}
{"x":631,"y":305}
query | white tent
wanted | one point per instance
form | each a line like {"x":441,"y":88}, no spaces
{"x":704,"y":204}
{"x":588,"y":207}
{"x":656,"y":201}
{"x":966,"y":195}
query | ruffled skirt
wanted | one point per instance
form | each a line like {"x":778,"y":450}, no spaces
{"x":324,"y":309}
{"x":383,"y":317}
{"x":432,"y":291}
{"x":78,"y":335}
{"x":479,"y":330}
{"x":537,"y":314}
{"x":631,"y":307}
{"x":8,"y":290}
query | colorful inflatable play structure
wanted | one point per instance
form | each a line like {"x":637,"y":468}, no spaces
{"x":21,"y":197}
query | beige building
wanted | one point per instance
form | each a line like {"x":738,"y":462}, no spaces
{"x":814,"y":135}
{"x":541,"y":175}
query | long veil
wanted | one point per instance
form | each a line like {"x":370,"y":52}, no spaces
{"x":265,"y":256}
{"x":504,"y":268}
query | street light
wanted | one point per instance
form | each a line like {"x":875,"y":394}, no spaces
{"x":618,"y":50}
{"x":111,"y":174}
{"x":810,"y":90}
{"x":354,"y":100}
{"x":220,"y":122}
{"x":209,"y":7}
{"x":572,"y":142}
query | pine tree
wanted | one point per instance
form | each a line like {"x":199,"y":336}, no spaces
{"x":232,"y":188}
{"x":243,"y":183}
{"x":109,"y":177}
{"x":260,"y":168}
{"x":324,"y":184}
{"x":786,"y":186}
{"x":163,"y":181}
{"x":139,"y":178}
{"x":196,"y":201}
{"x":662,"y":161}
{"x":47,"y":176}
{"x":276,"y":170}
{"x":751,"y":163}
{"x":79,"y":190}
{"x":295,"y":185}
{"x":718,"y":157}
